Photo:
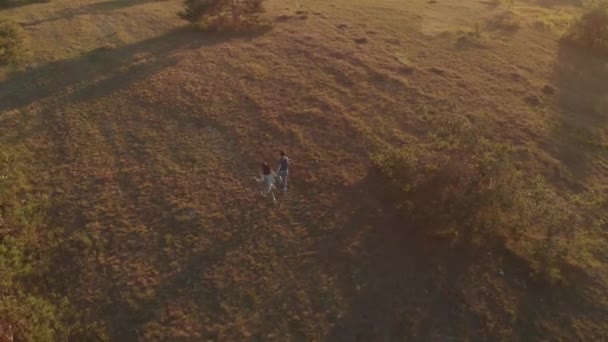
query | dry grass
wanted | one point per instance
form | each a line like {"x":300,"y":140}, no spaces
{"x":11,"y":40}
{"x":557,"y":21}
{"x":144,"y":135}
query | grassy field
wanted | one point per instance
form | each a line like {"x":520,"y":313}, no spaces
{"x":128,"y":143}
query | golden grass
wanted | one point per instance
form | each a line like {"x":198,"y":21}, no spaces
{"x":145,"y":148}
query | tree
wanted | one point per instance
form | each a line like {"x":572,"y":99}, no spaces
{"x":197,"y":10}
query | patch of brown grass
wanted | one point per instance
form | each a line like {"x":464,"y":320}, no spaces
{"x":11,"y":43}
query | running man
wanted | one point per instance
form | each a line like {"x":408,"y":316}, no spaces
{"x":283,"y":170}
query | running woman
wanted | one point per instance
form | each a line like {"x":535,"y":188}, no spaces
{"x":268,"y":180}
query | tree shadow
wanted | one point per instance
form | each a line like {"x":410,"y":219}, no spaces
{"x":90,"y":9}
{"x":556,"y":3}
{"x":18,"y":3}
{"x":579,"y":133}
{"x":397,"y":278}
{"x":403,"y":283}
{"x":553,"y":310}
{"x":115,"y":4}
{"x":103,"y":70}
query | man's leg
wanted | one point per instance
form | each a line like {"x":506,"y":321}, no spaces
{"x":283,"y":180}
{"x":284,"y":176}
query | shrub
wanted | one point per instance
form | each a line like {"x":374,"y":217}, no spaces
{"x":591,"y":30}
{"x":461,"y":183}
{"x":444,"y":182}
{"x":198,"y":10}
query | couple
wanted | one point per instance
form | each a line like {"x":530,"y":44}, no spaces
{"x":268,"y":176}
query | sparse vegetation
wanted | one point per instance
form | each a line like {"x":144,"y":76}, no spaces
{"x":508,"y":21}
{"x":554,"y":20}
{"x":10,"y":43}
{"x":32,"y":313}
{"x":591,"y":30}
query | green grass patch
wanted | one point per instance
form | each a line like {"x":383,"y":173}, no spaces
{"x":33,"y":313}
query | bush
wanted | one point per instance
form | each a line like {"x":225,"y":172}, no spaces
{"x":591,"y":30}
{"x":198,"y":10}
{"x":461,"y":183}
{"x":447,"y":181}
{"x":10,"y":43}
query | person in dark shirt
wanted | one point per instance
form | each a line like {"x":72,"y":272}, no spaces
{"x":283,"y":171}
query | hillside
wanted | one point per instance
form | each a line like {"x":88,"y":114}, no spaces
{"x":129,"y":142}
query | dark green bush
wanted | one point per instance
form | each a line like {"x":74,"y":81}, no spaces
{"x":446,"y":180}
{"x":460,"y":183}
{"x":198,"y":10}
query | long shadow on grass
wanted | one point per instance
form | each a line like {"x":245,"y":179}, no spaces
{"x":18,"y":3}
{"x":404,"y":284}
{"x":101,"y":71}
{"x":580,"y":131}
{"x":401,"y":284}
{"x":547,"y":312}
{"x":90,"y":9}
{"x":557,"y":3}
